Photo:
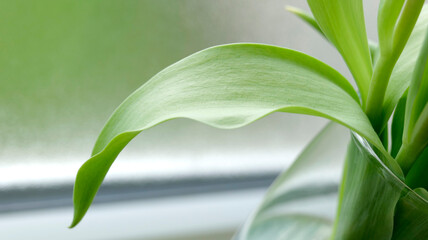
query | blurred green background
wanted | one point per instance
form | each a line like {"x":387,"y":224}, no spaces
{"x":66,"y":65}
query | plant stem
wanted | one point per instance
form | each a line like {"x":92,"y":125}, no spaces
{"x":405,"y":24}
{"x":417,"y":92}
{"x":420,"y":134}
{"x":387,"y":60}
{"x":411,"y":150}
{"x":406,"y":157}
{"x":379,"y":82}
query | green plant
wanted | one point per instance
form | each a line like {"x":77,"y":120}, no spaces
{"x":233,"y":85}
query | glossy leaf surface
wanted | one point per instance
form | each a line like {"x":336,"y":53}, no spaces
{"x":226,"y":87}
{"x":375,"y":203}
{"x":368,"y":195}
{"x":301,"y":203}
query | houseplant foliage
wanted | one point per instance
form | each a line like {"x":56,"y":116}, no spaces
{"x":382,"y":190}
{"x":302,"y":201}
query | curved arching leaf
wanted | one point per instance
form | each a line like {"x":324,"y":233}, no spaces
{"x":367,"y":197}
{"x":226,"y":87}
{"x":342,"y":22}
{"x":302,"y":202}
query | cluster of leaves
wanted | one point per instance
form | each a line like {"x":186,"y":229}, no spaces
{"x":230,"y":86}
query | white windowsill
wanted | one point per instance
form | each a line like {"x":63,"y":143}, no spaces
{"x":147,"y":219}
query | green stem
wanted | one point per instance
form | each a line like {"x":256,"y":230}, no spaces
{"x":384,"y":137}
{"x":388,"y":59}
{"x":415,"y":104}
{"x":382,"y":73}
{"x":417,"y":175}
{"x":411,"y":150}
{"x":405,"y":24}
{"x":420,"y":131}
{"x":407,"y":156}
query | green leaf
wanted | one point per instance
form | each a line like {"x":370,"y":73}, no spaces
{"x":409,"y":153}
{"x":374,"y":51}
{"x":310,"y":20}
{"x":397,"y":126}
{"x":415,"y":133}
{"x":301,"y":203}
{"x":368,"y":195}
{"x":404,"y":26}
{"x":389,"y":11}
{"x":396,"y":20}
{"x":226,"y":87}
{"x":418,"y":92}
{"x":306,"y":18}
{"x":419,"y":137}
{"x":421,"y":99}
{"x":403,"y":71}
{"x":411,"y":216}
{"x":389,"y":57}
{"x":342,"y":21}
{"x":417,"y":176}
{"x":384,"y":137}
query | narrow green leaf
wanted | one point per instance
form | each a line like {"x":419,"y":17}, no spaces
{"x":384,"y":137}
{"x":342,"y":21}
{"x":418,"y":92}
{"x":409,"y":153}
{"x":417,"y":176}
{"x":405,"y":24}
{"x":421,"y":99}
{"x":226,"y":87}
{"x":397,"y":126}
{"x":301,"y":203}
{"x":420,"y":133}
{"x":306,"y":17}
{"x":423,"y":193}
{"x":402,"y":73}
{"x":374,"y":51}
{"x":389,"y":11}
{"x":310,"y":20}
{"x":390,"y":55}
